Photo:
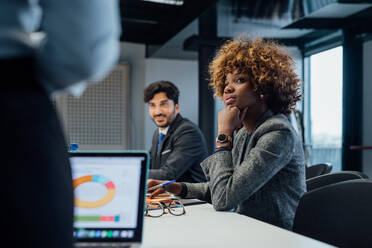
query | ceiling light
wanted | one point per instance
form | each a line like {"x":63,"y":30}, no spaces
{"x":170,"y":2}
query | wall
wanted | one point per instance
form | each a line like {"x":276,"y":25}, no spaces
{"x":134,"y":54}
{"x":367,"y":110}
{"x":184,"y":74}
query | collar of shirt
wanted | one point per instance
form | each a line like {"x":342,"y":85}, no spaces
{"x":164,"y":131}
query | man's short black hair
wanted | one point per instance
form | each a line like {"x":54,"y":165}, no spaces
{"x":161,"y":86}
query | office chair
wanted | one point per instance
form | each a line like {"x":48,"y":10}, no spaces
{"x":339,"y":214}
{"x":318,"y":169}
{"x":326,"y":179}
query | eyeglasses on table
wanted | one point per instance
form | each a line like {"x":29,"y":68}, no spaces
{"x":158,"y":209}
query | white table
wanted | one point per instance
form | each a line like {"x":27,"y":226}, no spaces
{"x":202,"y":226}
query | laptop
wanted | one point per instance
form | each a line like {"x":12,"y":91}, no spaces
{"x":109,"y":190}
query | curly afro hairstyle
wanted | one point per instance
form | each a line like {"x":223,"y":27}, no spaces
{"x":268,"y":66}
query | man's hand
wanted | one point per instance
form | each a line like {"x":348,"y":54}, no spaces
{"x":174,"y":188}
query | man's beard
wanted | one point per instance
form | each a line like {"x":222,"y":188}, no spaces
{"x":169,"y":119}
{"x":164,"y":126}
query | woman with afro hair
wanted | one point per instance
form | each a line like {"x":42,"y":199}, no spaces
{"x":261,"y":171}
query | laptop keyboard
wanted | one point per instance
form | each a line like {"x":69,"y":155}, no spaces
{"x":104,"y":245}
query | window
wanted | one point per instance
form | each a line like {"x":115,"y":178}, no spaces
{"x":323,"y":107}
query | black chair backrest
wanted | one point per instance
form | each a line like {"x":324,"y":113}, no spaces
{"x":323,"y":180}
{"x":318,"y":169}
{"x":339,"y":214}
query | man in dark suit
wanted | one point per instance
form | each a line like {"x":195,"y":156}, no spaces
{"x":178,"y":146}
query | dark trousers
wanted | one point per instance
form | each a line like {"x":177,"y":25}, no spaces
{"x":38,"y":197}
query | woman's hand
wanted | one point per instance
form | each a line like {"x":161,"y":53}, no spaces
{"x":230,"y":119}
{"x":174,"y":188}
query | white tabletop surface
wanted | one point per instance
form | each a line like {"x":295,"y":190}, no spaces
{"x":202,"y":226}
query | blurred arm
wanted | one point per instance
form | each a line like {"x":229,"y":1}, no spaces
{"x":81,"y":43}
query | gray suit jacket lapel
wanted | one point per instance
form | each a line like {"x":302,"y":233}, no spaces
{"x":239,"y":142}
{"x":242,"y":136}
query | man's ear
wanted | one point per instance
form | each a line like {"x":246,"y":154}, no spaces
{"x":177,"y":107}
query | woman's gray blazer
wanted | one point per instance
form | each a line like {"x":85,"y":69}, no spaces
{"x":269,"y":182}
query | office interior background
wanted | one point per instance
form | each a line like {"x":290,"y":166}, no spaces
{"x":329,"y":40}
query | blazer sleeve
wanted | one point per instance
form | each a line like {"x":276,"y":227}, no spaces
{"x":230,"y":185}
{"x":199,"y":191}
{"x":187,"y":150}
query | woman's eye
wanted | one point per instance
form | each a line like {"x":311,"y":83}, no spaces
{"x":240,"y":80}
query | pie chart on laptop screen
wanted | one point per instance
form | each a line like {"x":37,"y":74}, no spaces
{"x":90,"y":180}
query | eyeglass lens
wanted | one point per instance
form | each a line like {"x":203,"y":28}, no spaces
{"x":176,"y":208}
{"x":155,"y":209}
{"x":158,"y":209}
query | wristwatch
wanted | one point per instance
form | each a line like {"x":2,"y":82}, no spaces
{"x":223,"y":138}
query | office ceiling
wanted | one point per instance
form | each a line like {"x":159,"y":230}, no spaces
{"x":152,"y":23}
{"x":164,"y":27}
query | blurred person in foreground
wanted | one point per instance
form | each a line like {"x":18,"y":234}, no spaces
{"x":261,"y":171}
{"x":77,"y":40}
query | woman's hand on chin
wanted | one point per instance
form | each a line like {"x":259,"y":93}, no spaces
{"x":230,"y":119}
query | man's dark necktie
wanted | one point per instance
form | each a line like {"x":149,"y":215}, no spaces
{"x":161,"y":136}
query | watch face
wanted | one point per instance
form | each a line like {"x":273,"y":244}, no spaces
{"x":222,"y":138}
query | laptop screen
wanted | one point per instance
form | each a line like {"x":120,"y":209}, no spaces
{"x":109,"y":190}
